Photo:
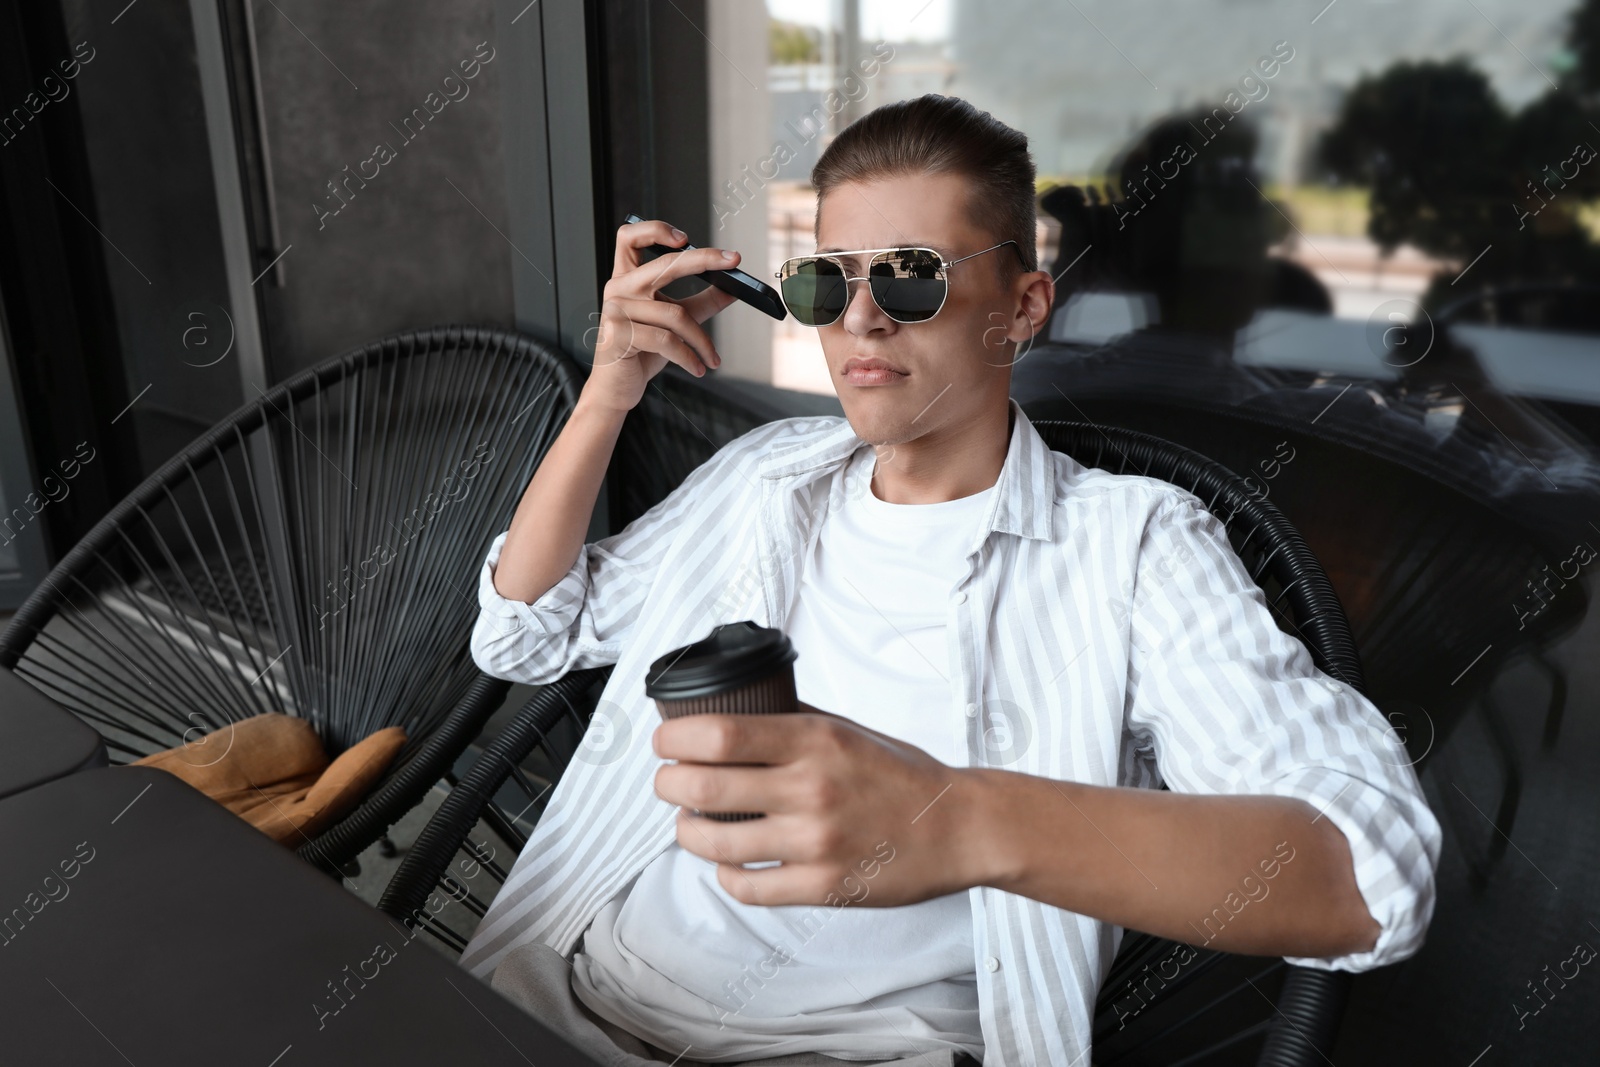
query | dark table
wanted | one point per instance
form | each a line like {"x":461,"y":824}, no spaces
{"x":40,"y":742}
{"x":142,"y":923}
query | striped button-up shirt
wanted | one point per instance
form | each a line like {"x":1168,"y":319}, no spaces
{"x":1104,"y":632}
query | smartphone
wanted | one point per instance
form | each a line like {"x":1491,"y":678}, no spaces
{"x":751,"y":290}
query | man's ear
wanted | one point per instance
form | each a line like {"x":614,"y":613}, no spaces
{"x":1040,"y":298}
{"x":1037,"y":296}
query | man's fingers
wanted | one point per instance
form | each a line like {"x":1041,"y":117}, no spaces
{"x":673,"y":317}
{"x":669,"y":345}
{"x":780,"y":838}
{"x":707,"y":303}
{"x":646,"y":278}
{"x":718,"y":787}
{"x":633,"y":236}
{"x":728,"y":738}
{"x":671,"y":326}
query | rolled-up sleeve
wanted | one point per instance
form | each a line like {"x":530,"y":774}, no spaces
{"x":1230,"y":703}
{"x":587,"y":616}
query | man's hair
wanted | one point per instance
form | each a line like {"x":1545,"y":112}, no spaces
{"x":936,"y":134}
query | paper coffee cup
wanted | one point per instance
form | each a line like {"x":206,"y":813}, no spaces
{"x":740,"y":668}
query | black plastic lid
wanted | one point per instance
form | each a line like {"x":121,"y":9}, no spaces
{"x":732,"y":656}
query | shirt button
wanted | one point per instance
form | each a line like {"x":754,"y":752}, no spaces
{"x":991,"y":964}
{"x":972,"y":711}
{"x":960,"y":598}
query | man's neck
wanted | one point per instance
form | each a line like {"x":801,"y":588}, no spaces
{"x":949,"y":465}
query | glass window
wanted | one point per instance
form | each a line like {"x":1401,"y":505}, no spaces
{"x":1349,"y":249}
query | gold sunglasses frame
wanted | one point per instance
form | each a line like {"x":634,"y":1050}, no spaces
{"x":944,"y":266}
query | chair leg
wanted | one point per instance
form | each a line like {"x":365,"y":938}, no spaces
{"x":1558,"y":700}
{"x":1505,"y":815}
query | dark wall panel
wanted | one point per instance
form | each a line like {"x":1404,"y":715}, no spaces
{"x":145,"y":136}
{"x":415,"y":236}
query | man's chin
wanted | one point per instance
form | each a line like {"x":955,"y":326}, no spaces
{"x":874,"y":421}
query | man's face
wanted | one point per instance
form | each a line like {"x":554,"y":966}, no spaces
{"x":955,"y":364}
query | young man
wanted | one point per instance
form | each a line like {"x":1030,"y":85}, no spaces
{"x":1002,"y":652}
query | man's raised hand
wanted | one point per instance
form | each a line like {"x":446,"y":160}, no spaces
{"x":641,"y":330}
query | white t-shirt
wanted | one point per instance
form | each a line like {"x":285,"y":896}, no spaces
{"x":676,"y":960}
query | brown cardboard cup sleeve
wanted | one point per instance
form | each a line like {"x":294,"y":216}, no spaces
{"x":740,"y":668}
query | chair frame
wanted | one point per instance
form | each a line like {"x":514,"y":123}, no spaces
{"x":405,"y":783}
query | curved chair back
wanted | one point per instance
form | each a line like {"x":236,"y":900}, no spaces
{"x":1272,"y":550}
{"x":679,"y":424}
{"x":1426,"y":549}
{"x":316,"y":553}
{"x":1218,"y":1009}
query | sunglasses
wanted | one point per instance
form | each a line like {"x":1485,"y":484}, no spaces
{"x":908,"y":284}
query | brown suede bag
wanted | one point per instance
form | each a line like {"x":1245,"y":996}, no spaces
{"x":272,"y":771}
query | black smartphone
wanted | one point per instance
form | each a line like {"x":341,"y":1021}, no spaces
{"x":751,"y":290}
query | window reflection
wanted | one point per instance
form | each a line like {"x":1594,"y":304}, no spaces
{"x":1350,"y":250}
{"x":1258,"y":203}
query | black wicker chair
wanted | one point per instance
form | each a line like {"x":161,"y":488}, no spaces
{"x":679,"y":424}
{"x":316,"y":554}
{"x":1222,"y":1008}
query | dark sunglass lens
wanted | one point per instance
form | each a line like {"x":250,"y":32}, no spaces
{"x":907,"y":284}
{"x":814,"y":291}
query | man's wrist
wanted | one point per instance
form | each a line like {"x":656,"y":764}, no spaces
{"x":591,"y":401}
{"x":989,"y":830}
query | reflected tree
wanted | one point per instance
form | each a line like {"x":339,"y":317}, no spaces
{"x":1453,"y":171}
{"x":1184,"y":219}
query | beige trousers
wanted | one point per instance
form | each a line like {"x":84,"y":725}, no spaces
{"x":540,"y":980}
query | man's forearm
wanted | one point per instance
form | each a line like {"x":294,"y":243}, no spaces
{"x":1206,"y":870}
{"x":553,"y":516}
